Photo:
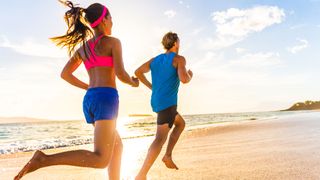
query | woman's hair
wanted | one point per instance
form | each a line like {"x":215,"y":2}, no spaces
{"x":169,"y":39}
{"x":78,"y":20}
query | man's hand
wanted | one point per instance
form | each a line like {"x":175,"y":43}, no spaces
{"x":135,"y":81}
{"x":190,"y":73}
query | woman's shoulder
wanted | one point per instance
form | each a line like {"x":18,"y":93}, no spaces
{"x":80,"y":52}
{"x":110,"y":39}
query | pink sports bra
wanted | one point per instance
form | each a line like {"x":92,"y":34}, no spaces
{"x":97,"y":61}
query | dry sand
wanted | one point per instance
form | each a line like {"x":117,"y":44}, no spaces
{"x":284,"y":148}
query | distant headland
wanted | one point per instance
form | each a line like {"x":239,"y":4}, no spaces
{"x":307,"y":105}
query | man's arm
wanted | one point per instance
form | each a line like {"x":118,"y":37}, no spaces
{"x":144,"y":68}
{"x":184,"y":75}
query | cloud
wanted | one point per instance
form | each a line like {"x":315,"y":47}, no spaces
{"x":248,"y":78}
{"x":239,"y":23}
{"x":245,"y":64}
{"x":257,"y":60}
{"x":197,"y":31}
{"x":302,"y":45}
{"x":184,"y":4}
{"x":234,"y":25}
{"x":170,"y":13}
{"x":208,"y":59}
{"x":32,"y":48}
{"x":240,"y":50}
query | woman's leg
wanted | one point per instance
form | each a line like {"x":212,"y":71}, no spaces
{"x":115,"y":163}
{"x":104,"y":136}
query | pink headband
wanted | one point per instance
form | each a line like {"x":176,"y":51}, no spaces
{"x":98,"y":21}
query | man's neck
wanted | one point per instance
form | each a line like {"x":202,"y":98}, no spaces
{"x":175,"y":50}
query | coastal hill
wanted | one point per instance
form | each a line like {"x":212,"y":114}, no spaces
{"x":307,"y":105}
{"x":9,"y":120}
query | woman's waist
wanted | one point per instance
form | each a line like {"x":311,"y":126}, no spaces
{"x":102,"y":90}
{"x":102,"y":82}
{"x":102,"y":77}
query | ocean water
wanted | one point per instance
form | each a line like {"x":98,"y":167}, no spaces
{"x":22,"y":137}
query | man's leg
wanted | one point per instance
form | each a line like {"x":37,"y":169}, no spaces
{"x":179,"y":125}
{"x":154,"y":150}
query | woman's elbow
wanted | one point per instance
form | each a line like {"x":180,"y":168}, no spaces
{"x":64,"y":75}
{"x":120,"y":75}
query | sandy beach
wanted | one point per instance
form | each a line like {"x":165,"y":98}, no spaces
{"x":282,"y":148}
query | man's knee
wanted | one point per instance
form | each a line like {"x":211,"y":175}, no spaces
{"x":182,"y":124}
{"x":160,"y":140}
{"x":179,"y":122}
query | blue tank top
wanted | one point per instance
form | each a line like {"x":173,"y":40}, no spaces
{"x":165,"y":82}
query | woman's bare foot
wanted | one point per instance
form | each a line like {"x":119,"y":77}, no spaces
{"x":169,"y":163}
{"x":35,"y":163}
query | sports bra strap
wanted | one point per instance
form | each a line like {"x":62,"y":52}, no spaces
{"x":94,"y":60}
{"x":98,"y":39}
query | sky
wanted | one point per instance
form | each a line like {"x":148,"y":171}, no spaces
{"x":246,"y":55}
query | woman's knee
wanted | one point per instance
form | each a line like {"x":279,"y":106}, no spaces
{"x":103,"y":160}
{"x":103,"y":163}
{"x":119,"y":145}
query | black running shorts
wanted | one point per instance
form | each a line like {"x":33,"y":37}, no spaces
{"x":167,"y":116}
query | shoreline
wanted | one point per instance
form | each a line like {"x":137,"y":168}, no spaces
{"x":186,"y":132}
{"x":197,"y":128}
{"x":189,"y":130}
{"x":282,"y":148}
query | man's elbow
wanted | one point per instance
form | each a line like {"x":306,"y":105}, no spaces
{"x":184,"y":80}
{"x":137,"y":73}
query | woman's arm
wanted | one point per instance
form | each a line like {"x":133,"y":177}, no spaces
{"x":121,"y":73}
{"x":144,"y":68}
{"x":69,"y":68}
